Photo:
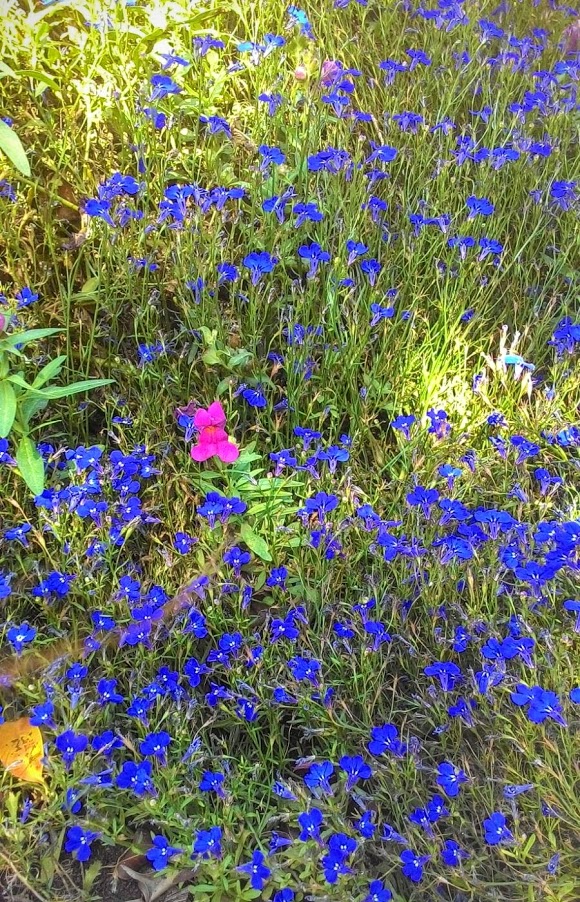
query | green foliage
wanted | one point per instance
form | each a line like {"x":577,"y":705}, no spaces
{"x":22,"y":401}
{"x":11,"y":146}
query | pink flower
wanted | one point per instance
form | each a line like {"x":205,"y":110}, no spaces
{"x":213,"y":416}
{"x":213,"y":440}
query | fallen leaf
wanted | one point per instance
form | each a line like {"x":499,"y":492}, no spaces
{"x":153,"y":888}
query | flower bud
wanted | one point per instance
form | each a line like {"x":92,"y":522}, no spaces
{"x":300,"y":73}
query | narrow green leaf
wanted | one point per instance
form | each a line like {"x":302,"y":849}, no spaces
{"x":50,"y":371}
{"x":7,"y":408}
{"x":255,"y":542}
{"x":37,"y":75}
{"x":6,"y":70}
{"x":24,"y":338}
{"x":56,"y":8}
{"x":11,"y":146}
{"x":528,"y":846}
{"x":31,"y":465}
{"x":65,"y":391}
{"x":15,"y":379}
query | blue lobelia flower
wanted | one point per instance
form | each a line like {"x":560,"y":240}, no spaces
{"x":259,"y":263}
{"x":160,"y":853}
{"x":78,"y":842}
{"x":450,"y":778}
{"x":317,"y":778}
{"x":446,"y":672}
{"x":256,"y":869}
{"x":21,"y":635}
{"x":378,"y":892}
{"x":452,"y":853}
{"x":310,"y":823}
{"x":495,"y":830}
{"x":355,"y":768}
{"x":542,"y":703}
{"x":208,"y":843}
{"x":386,"y":739}
{"x":413,"y":864}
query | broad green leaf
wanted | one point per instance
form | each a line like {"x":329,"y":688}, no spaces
{"x":240,"y":358}
{"x":223,"y":386}
{"x":50,"y":371}
{"x":7,"y":408}
{"x":30,"y":464}
{"x":28,"y":409}
{"x":255,"y":542}
{"x":24,"y":338}
{"x":208,"y":334}
{"x":65,"y":391}
{"x":246,"y":457}
{"x":212,"y":357}
{"x":90,"y":286}
{"x":11,"y":146}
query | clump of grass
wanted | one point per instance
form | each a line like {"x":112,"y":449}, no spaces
{"x":345,"y":665}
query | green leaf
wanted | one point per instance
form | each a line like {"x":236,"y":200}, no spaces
{"x":241,"y":358}
{"x":223,"y":386}
{"x":208,"y":334}
{"x":16,"y":379}
{"x":28,"y":409}
{"x":31,"y":465}
{"x":56,"y":8}
{"x":90,"y":875}
{"x":37,"y":75}
{"x":7,"y":408}
{"x":24,"y":338}
{"x":65,"y":391}
{"x":50,"y":371}
{"x":255,"y":542}
{"x":11,"y":145}
{"x":212,"y":357}
{"x":90,"y":285}
{"x":6,"y":70}
{"x":528,"y":846}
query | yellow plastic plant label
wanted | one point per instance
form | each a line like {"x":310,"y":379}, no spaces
{"x":21,"y":750}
